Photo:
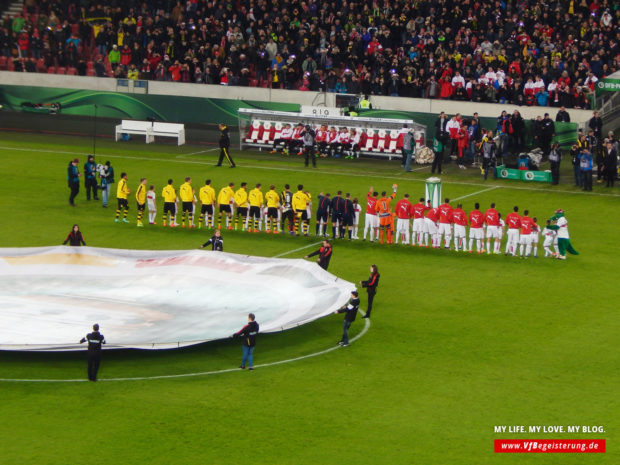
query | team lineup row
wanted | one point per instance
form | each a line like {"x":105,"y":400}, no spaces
{"x":290,"y":211}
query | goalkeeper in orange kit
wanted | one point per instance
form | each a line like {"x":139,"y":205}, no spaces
{"x":384,"y":211}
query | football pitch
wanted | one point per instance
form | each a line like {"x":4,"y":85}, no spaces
{"x":458,"y":345}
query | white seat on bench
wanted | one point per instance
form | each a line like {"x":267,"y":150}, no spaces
{"x":129,"y":126}
{"x":169,"y":130}
{"x":150,"y":130}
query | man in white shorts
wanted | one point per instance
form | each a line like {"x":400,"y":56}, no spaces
{"x":535,"y":236}
{"x":403,"y":213}
{"x":476,"y":231}
{"x":430,"y":228}
{"x":491,"y":219}
{"x":459,"y":218}
{"x":525,"y":237}
{"x":513,"y":221}
{"x":371,"y":221}
{"x":418,"y":210}
{"x":445,"y":223}
{"x":551,"y":238}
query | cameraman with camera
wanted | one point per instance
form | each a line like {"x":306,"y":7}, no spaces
{"x":106,"y":177}
{"x":90,"y":177}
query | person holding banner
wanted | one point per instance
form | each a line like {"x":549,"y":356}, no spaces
{"x":95,"y":341}
{"x":248,"y":332}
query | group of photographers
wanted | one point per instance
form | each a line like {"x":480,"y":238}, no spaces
{"x":465,"y":138}
{"x":96,"y":178}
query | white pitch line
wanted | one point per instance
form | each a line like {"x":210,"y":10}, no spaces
{"x":476,"y":193}
{"x":183,"y":155}
{"x":201,"y":373}
{"x":333,"y":172}
{"x":297,"y":250}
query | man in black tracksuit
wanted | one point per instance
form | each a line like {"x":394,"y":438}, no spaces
{"x":224,"y":147}
{"x":322,"y":213}
{"x":90,"y":177}
{"x":95,"y":341}
{"x":337,"y":209}
{"x":547,"y":134}
{"x":347,"y":217}
{"x":350,"y":311}
{"x":248,"y":333}
{"x":216,"y":242}
{"x":324,"y":253}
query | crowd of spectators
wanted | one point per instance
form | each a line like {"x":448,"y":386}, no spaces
{"x":523,"y":52}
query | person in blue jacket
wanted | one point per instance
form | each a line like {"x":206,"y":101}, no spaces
{"x":585,"y":164}
{"x":73,"y":180}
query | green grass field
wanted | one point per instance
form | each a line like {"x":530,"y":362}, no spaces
{"x":458,"y":343}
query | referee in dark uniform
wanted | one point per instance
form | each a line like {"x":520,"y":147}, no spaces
{"x":95,"y":341}
{"x":225,"y":147}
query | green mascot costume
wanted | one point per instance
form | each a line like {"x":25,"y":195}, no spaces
{"x":559,"y":223}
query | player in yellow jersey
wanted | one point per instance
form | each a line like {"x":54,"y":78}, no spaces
{"x":170,"y":198}
{"x":299,"y":203}
{"x":141,"y":199}
{"x":241,"y":201}
{"x":122,"y":191}
{"x":207,"y":198}
{"x":224,"y":197}
{"x":256,"y":202}
{"x":273,"y":204}
{"x":186,"y":193}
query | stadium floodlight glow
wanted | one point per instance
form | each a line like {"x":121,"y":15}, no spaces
{"x":51,"y":296}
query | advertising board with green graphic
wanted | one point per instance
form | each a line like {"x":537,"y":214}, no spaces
{"x":188,"y":110}
{"x":168,"y":108}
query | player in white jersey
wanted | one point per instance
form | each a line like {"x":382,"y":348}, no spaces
{"x":535,"y":236}
{"x":550,"y":239}
{"x":151,"y":204}
{"x":357,"y":210}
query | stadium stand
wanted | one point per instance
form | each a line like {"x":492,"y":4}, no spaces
{"x":526,"y":52}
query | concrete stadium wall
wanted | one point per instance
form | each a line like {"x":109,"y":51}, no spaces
{"x":430,"y":106}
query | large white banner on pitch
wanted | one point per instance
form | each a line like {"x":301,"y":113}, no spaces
{"x":51,"y":296}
